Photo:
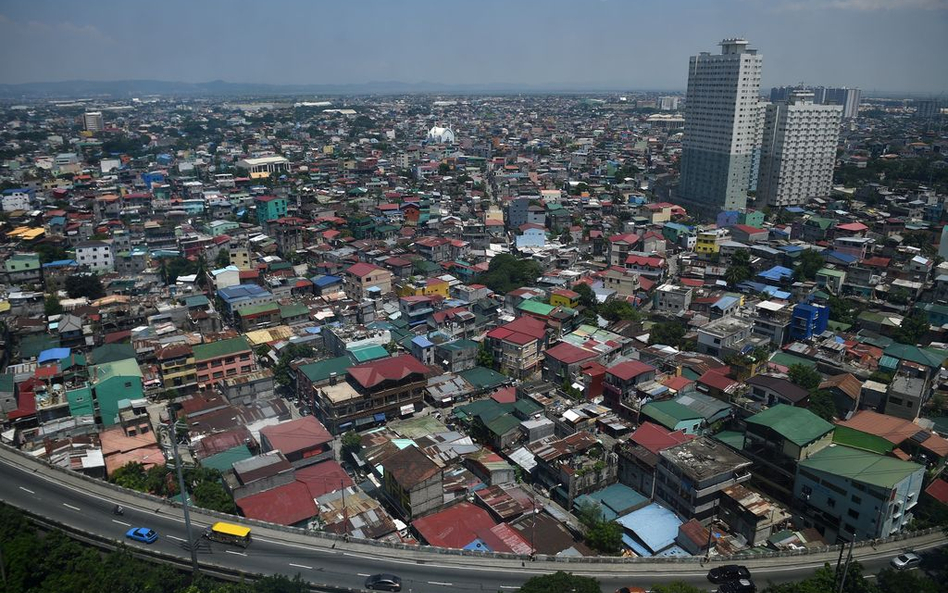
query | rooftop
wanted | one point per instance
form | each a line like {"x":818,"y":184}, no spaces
{"x":860,"y":466}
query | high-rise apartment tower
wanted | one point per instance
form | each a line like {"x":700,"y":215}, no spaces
{"x":798,"y":151}
{"x":723,"y":120}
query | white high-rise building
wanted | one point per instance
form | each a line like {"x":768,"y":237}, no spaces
{"x":798,"y":151}
{"x":723,"y":119}
{"x":669,"y":103}
{"x":92,"y":121}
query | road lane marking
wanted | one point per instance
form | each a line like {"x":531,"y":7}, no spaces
{"x":122,"y":523}
{"x":235,"y":553}
{"x":301,"y":566}
{"x":509,"y":587}
{"x":26,"y":490}
{"x":361,"y":574}
{"x":441,"y":583}
{"x":180,"y":539}
{"x":67,"y":505}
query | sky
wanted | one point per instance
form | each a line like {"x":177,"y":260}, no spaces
{"x":883,"y":45}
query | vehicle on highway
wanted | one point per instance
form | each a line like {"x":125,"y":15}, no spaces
{"x":228,"y":533}
{"x":142,"y":534}
{"x":631,"y":590}
{"x":905,"y":561}
{"x":728,"y":572}
{"x":383,"y":582}
{"x":738,"y":586}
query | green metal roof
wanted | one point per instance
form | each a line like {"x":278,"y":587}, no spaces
{"x":225,"y":460}
{"x":788,"y":360}
{"x":503,"y":424}
{"x":119,"y":368}
{"x":111,"y":353}
{"x":257,"y":309}
{"x":731,"y":438}
{"x":857,"y":439}
{"x":669,"y":413}
{"x":860,"y":466}
{"x":483,"y":378}
{"x":536,"y":307}
{"x":221,"y":348}
{"x":320,"y":371}
{"x":368,"y":352}
{"x":798,"y":425}
{"x":294,"y":310}
{"x":930,"y":357}
{"x":7,"y":383}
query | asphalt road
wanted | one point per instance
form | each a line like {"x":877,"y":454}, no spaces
{"x":61,"y":502}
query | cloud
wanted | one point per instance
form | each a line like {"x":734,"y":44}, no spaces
{"x":864,"y":5}
{"x":88,"y":32}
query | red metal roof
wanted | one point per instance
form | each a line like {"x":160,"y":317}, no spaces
{"x":569,"y":354}
{"x":938,"y":490}
{"x":297,"y":435}
{"x":396,"y":368}
{"x":323,"y":478}
{"x":459,"y":525}
{"x":656,"y":438}
{"x":363,"y":269}
{"x":629,"y":369}
{"x":285,"y":505}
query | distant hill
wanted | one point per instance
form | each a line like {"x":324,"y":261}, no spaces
{"x":137,"y":88}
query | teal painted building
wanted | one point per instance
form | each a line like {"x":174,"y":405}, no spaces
{"x":269,"y":208}
{"x":113,"y":382}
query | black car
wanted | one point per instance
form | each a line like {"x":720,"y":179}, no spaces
{"x":383,"y":582}
{"x":738,"y":586}
{"x":728,"y":572}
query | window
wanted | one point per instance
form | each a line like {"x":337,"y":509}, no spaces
{"x":831,"y":502}
{"x":853,"y":514}
{"x":128,"y":384}
{"x":856,"y":499}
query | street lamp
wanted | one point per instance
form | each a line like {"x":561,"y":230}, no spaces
{"x":172,"y":435}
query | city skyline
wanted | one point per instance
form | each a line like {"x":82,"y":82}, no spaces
{"x":604,"y":45}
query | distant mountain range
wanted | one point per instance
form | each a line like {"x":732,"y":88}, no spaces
{"x":139,"y":88}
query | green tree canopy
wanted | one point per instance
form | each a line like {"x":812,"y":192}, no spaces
{"x":805,"y":376}
{"x":52,"y":306}
{"x":506,"y":272}
{"x":668,"y":333}
{"x":559,"y":582}
{"x":808,"y":264}
{"x":821,"y":404}
{"x":84,"y":285}
{"x":913,"y":328}
{"x":288,"y":354}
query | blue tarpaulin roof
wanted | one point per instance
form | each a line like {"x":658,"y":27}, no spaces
{"x":776,"y":273}
{"x":654,"y":525}
{"x":53,"y":354}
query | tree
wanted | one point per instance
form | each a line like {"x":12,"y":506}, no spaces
{"x":131,"y":476}
{"x":52,"y":306}
{"x":484,"y":357}
{"x":913,"y":328}
{"x":507,"y":272}
{"x":601,"y":535}
{"x":821,"y":404}
{"x":49,"y":252}
{"x":211,"y":495}
{"x":676,"y":587}
{"x":824,"y":580}
{"x":178,"y":266}
{"x":668,"y":333}
{"x":288,"y":354}
{"x":808,"y":265}
{"x":560,"y":581}
{"x":84,"y":285}
{"x":892,"y":581}
{"x":351,"y":442}
{"x":617,"y":309}
{"x":805,"y":376}
{"x":223,"y":258}
{"x":740,"y":268}
{"x":587,"y":298}
{"x":842,"y":310}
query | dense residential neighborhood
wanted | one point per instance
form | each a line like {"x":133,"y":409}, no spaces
{"x":484,"y":323}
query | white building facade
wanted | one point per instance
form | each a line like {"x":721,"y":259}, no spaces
{"x":798,"y":151}
{"x":723,"y":119}
{"x":96,"y":255}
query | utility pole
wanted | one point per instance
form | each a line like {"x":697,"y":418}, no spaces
{"x":3,"y":569}
{"x":173,"y":435}
{"x":849,"y":558}
{"x":345,"y":509}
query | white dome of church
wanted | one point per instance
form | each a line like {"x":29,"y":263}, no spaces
{"x":441,"y":135}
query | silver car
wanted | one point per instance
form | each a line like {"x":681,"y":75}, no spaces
{"x":905,"y":561}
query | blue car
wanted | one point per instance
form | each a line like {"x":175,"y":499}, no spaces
{"x":141,"y":534}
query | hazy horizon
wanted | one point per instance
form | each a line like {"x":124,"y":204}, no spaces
{"x":881,"y":46}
